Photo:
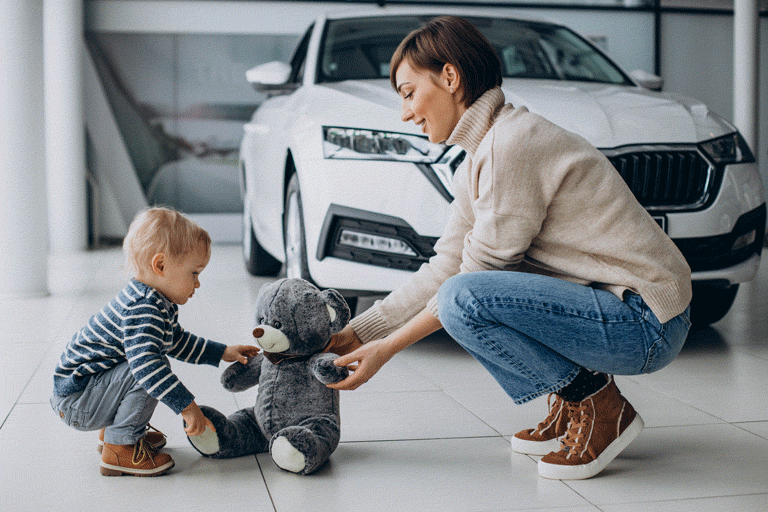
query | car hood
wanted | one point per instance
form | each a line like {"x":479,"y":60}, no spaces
{"x":608,"y":116}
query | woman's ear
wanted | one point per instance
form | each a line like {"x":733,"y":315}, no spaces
{"x":158,"y":263}
{"x":451,"y":77}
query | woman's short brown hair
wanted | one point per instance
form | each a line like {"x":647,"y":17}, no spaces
{"x":449,"y":39}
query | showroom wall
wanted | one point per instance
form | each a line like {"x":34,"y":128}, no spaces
{"x":178,"y":103}
{"x":173,"y":75}
{"x":697,"y":60}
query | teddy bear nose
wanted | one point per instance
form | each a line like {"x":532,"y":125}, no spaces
{"x":258,"y":332}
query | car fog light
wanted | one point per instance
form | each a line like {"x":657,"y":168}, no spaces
{"x":374,"y":242}
{"x":745,"y":240}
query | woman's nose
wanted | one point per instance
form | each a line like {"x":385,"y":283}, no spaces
{"x":405,"y":114}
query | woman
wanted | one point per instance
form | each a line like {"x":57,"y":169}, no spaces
{"x":549,"y":272}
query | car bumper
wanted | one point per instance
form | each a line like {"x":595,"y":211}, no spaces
{"x":724,"y":259}
{"x":740,"y":273}
{"x":722,"y":243}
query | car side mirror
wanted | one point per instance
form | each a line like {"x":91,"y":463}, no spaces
{"x":271,"y":78}
{"x":648,"y":80}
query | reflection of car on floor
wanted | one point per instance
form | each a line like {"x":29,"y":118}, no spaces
{"x":342,"y":192}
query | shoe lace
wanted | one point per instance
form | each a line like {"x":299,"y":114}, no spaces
{"x":143,"y":450}
{"x":575,"y":438}
{"x":554,"y":410}
{"x":150,"y":427}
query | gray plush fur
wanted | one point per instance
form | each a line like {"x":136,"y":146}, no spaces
{"x":293,"y":401}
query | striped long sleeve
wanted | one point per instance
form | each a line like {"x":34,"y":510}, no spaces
{"x":139,"y":326}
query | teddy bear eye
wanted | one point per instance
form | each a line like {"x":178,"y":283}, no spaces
{"x":276,"y":324}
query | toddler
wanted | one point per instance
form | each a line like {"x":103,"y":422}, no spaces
{"x":115,"y":369}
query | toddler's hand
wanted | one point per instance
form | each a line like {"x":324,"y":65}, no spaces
{"x":195,"y":420}
{"x":239,"y":353}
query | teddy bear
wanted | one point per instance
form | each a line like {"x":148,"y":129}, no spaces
{"x":296,"y":417}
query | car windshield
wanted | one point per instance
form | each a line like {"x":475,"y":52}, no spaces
{"x":360,"y":48}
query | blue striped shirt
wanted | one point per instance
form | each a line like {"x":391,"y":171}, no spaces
{"x":141,"y":326}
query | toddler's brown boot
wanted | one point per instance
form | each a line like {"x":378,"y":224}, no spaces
{"x":545,"y":437}
{"x":600,"y":427}
{"x":153,"y":437}
{"x":140,"y":459}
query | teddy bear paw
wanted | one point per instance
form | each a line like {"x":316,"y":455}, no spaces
{"x":286,"y":456}
{"x":206,"y":443}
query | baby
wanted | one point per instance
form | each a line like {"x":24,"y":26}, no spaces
{"x":115,"y":369}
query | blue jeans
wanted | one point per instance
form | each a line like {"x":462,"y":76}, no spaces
{"x":112,"y":400}
{"x":535,"y":333}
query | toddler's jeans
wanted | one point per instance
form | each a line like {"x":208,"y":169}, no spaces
{"x":112,"y":400}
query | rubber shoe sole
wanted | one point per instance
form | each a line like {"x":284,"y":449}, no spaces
{"x":584,"y":471}
{"x":110,"y":470}
{"x":533,"y":447}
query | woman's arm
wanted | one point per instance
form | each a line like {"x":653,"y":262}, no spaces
{"x":370,"y":357}
{"x":411,"y":297}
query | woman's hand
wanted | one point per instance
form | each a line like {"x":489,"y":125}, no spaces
{"x":369,"y":359}
{"x":344,"y":342}
{"x":372,"y":356}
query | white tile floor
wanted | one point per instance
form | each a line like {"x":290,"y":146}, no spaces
{"x":429,"y":433}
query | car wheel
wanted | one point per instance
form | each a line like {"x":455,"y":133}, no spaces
{"x":710,"y":303}
{"x":293,"y":233}
{"x":296,"y":265}
{"x":258,"y":262}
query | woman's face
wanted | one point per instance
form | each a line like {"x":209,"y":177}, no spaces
{"x":431,"y":101}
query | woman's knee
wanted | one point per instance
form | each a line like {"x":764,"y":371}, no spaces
{"x":454,"y":301}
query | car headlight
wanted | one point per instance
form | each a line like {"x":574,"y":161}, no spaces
{"x":729,"y":149}
{"x":356,"y":144}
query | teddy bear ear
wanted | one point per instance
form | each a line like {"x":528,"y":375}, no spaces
{"x":336,"y":302}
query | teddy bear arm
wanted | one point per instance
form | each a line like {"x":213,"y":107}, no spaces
{"x":239,"y":376}
{"x":325,"y":371}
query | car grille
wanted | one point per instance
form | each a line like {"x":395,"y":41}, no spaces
{"x":665,"y":179}
{"x":662,"y":178}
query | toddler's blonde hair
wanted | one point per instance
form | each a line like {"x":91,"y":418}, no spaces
{"x":161,"y":230}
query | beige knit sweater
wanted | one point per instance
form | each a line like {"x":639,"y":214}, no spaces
{"x":533,"y":197}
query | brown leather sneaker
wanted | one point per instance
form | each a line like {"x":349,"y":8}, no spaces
{"x":140,"y":459}
{"x":601,"y":426}
{"x":545,"y":437}
{"x":153,"y":437}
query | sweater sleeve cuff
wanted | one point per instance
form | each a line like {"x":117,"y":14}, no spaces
{"x":179,"y":399}
{"x":370,"y":325}
{"x":432,"y":306}
{"x":213,"y":353}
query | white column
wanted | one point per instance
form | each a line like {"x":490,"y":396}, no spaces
{"x":65,"y":126}
{"x":23,"y":213}
{"x":745,"y":64}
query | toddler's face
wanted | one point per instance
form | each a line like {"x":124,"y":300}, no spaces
{"x":180,"y":276}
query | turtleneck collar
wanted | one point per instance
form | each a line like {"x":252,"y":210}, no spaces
{"x":477,"y":120}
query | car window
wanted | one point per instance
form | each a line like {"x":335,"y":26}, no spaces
{"x":575,"y":59}
{"x":360,"y":48}
{"x":299,"y":59}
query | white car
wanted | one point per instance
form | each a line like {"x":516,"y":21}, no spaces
{"x":341,"y":192}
